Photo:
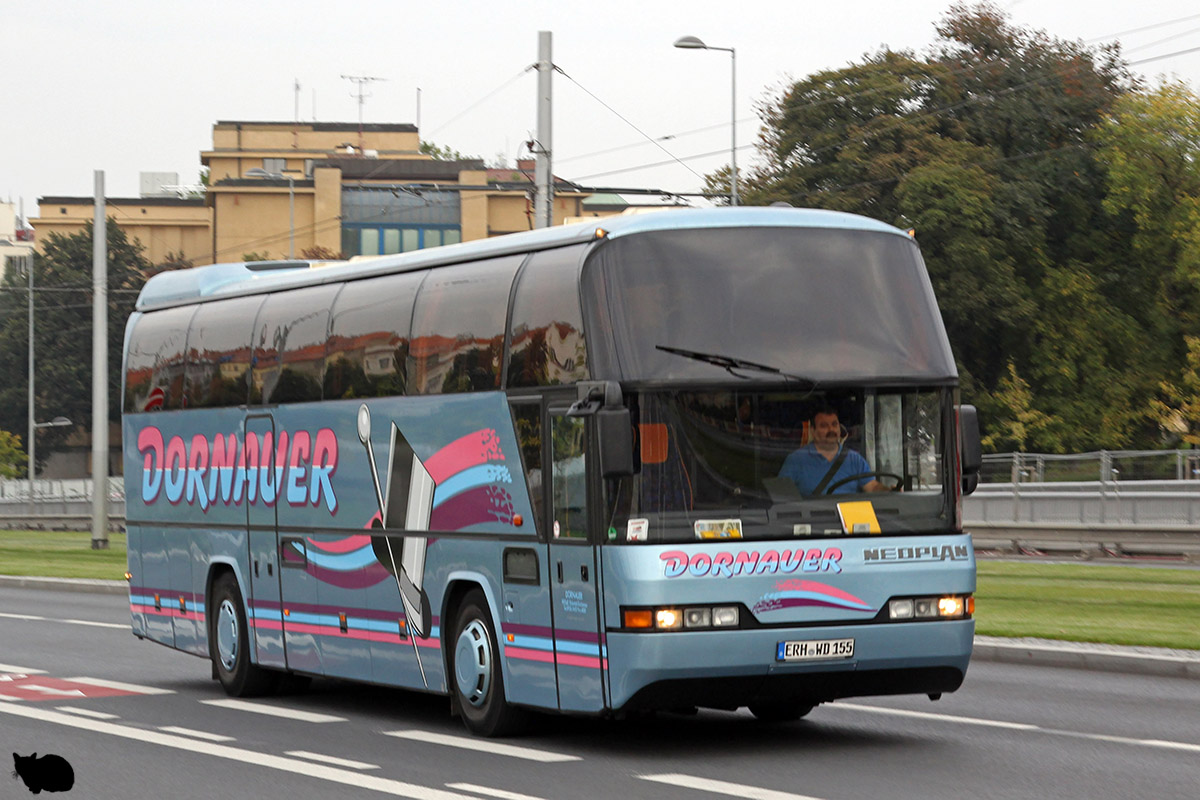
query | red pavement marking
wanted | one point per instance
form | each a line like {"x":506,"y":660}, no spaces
{"x":15,"y":686}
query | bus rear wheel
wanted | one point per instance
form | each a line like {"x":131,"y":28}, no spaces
{"x":478,"y":681}
{"x":780,"y":712}
{"x":229,"y":643}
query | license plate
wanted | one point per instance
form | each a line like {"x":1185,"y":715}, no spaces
{"x":814,"y":649}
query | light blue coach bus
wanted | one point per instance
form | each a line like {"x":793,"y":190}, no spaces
{"x":547,"y":471}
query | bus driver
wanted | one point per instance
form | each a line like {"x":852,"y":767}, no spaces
{"x":825,"y":461}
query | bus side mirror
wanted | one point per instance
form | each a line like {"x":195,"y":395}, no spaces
{"x":971,"y":449}
{"x":615,"y":432}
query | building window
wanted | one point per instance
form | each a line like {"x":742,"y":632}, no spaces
{"x":275,"y":164}
{"x":359,"y":239}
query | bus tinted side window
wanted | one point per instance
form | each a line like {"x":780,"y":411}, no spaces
{"x":368,"y":337}
{"x":155,"y":366}
{"x":546,"y":341}
{"x":219,"y":352}
{"x":289,"y":346}
{"x":458,"y":327}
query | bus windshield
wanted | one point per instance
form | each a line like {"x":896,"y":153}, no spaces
{"x":761,"y":464}
{"x":822,"y":303}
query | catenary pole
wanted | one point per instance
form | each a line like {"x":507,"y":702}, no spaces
{"x":100,"y":370}
{"x":543,"y":176}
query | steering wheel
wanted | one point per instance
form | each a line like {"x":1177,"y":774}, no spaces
{"x":860,"y":475}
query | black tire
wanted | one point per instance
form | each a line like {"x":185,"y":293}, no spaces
{"x":781,"y":712}
{"x":476,"y":676}
{"x":229,"y":643}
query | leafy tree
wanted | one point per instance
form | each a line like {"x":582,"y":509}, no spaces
{"x":63,"y":330}
{"x":441,"y":152}
{"x":319,"y":253}
{"x":1177,"y":409}
{"x":12,"y":457}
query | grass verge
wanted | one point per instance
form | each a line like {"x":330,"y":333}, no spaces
{"x":1111,"y":604}
{"x":61,"y":554}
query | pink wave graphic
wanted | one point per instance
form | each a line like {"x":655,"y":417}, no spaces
{"x":346,"y":545}
{"x":476,"y":506}
{"x":471,"y":450}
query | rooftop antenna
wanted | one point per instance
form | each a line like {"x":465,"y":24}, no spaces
{"x":296,"y":87}
{"x":361,"y":81}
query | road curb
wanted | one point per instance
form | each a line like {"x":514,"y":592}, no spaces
{"x":65,"y":584}
{"x":1038,"y":652}
{"x":1081,"y":655}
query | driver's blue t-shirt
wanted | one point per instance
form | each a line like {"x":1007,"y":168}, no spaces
{"x":806,"y":467}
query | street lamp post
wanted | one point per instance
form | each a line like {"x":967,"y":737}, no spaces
{"x":57,"y":422}
{"x":694,"y":43}
{"x":259,"y":172}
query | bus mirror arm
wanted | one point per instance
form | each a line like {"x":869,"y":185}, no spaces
{"x":595,"y":395}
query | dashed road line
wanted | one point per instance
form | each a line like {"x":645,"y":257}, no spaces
{"x":86,"y":712}
{"x":724,"y":787}
{"x":93,"y":624}
{"x":267,"y":760}
{"x":15,"y":670}
{"x":490,"y":792}
{"x":1020,"y":726}
{"x":337,"y":762}
{"x":210,"y":737}
{"x":124,"y":687}
{"x":482,"y":745}
{"x":274,"y":711}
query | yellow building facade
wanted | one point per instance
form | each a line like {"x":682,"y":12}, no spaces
{"x":311,"y":189}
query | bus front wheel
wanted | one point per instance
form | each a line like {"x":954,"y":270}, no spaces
{"x":478,"y":681}
{"x":229,"y":643}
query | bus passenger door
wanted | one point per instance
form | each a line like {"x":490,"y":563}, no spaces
{"x":580,"y":655}
{"x":264,"y":613}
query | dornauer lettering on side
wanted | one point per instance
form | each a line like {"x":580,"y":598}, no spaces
{"x":945,"y":552}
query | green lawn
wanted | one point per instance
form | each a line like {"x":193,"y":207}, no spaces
{"x":61,"y":554}
{"x":1113,"y":604}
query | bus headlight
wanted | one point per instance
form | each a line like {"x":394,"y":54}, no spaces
{"x":675,"y":618}
{"x":950,"y":606}
{"x":668,"y":619}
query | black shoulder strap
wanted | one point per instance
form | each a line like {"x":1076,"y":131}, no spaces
{"x":833,"y":468}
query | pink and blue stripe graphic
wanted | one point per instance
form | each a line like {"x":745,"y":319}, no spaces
{"x":567,"y":648}
{"x":795,"y":593}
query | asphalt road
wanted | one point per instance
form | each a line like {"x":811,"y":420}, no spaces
{"x":139,"y":721}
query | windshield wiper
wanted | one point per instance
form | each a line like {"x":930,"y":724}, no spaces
{"x":731,"y":363}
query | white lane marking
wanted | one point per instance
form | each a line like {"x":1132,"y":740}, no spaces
{"x":482,"y":745}
{"x":86,"y":712}
{"x":1019,"y":726}
{"x":9,"y":668}
{"x":124,"y":687}
{"x":900,"y":712}
{"x":48,"y":690}
{"x":211,"y":737}
{"x":337,"y":762}
{"x":490,"y":792}
{"x":292,"y":765}
{"x":29,"y":617}
{"x":273,"y":711}
{"x":724,"y":787}
{"x":93,"y":624}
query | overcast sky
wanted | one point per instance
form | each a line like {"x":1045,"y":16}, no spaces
{"x":137,"y":85}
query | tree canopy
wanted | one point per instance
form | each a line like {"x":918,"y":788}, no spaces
{"x":62,"y":279}
{"x":1056,"y":200}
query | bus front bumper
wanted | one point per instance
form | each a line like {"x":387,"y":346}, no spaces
{"x":735,"y":668}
